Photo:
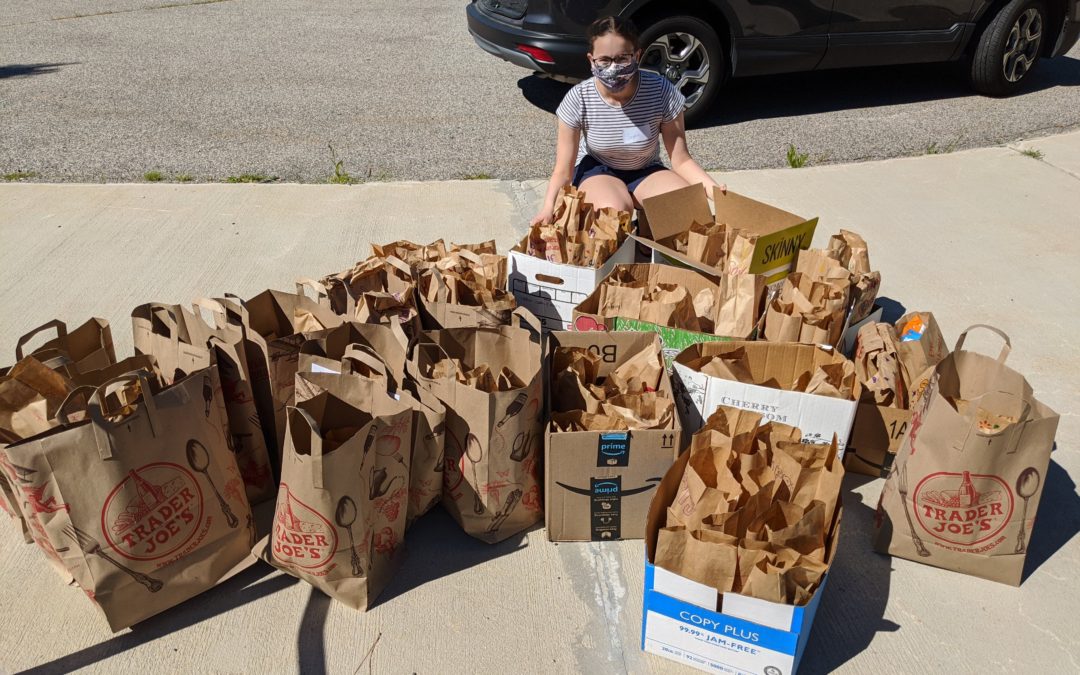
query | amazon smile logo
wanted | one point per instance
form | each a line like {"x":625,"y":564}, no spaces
{"x":609,"y":489}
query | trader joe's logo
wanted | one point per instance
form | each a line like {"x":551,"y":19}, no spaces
{"x":963,"y":508}
{"x":302,"y":537}
{"x":153,"y":512}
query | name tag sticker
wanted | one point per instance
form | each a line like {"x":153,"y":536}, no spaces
{"x":634,"y":135}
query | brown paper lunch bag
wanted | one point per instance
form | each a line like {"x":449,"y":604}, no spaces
{"x":341,"y":508}
{"x":375,"y":350}
{"x":145,"y":504}
{"x":88,"y":347}
{"x":494,"y":440}
{"x":182,"y":342}
{"x":967,"y":479}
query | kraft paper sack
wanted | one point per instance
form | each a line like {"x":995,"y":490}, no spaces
{"x":143,"y":503}
{"x":341,"y":507}
{"x":491,"y":383}
{"x":373,"y":351}
{"x":966,"y":482}
{"x":182,"y":342}
{"x":88,"y":347}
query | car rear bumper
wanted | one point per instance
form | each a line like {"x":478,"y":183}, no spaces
{"x":502,"y":37}
{"x":1070,"y":30}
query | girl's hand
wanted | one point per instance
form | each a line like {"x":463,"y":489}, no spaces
{"x":543,"y":218}
{"x":722,"y":187}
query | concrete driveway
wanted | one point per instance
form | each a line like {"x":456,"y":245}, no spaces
{"x":979,"y":236}
{"x":111,"y":90}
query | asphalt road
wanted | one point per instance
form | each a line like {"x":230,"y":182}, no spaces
{"x":222,"y":88}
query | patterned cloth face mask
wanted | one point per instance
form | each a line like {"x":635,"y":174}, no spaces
{"x":616,"y":77}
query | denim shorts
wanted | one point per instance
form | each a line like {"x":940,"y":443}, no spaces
{"x":590,"y":166}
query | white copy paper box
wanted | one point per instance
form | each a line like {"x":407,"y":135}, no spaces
{"x":551,"y":291}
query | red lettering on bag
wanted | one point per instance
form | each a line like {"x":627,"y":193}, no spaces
{"x":302,"y":536}
{"x":153,"y":512}
{"x":963,"y":508}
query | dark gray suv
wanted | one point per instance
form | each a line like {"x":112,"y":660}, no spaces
{"x":699,"y":44}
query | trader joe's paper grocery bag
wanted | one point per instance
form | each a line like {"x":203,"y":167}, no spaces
{"x":490,"y":381}
{"x":143,"y":503}
{"x":966,"y":482}
{"x":374,"y":351}
{"x":340,"y":514}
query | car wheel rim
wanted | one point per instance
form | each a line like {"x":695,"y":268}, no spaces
{"x":682,"y":59}
{"x":1022,"y":45}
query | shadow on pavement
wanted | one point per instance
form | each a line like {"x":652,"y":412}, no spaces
{"x":1057,"y":521}
{"x":891,"y":310}
{"x":809,"y":93}
{"x":28,"y":69}
{"x":311,"y":639}
{"x":852,"y":610}
{"x":457,"y":551}
{"x":247,"y":586}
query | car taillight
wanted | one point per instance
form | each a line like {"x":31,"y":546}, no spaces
{"x":539,"y":55}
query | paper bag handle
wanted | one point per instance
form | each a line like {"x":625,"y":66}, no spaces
{"x":81,"y":395}
{"x":315,"y":286}
{"x":366,"y":355}
{"x":94,"y":405}
{"x":234,"y":304}
{"x":400,"y":265}
{"x":215,"y":308}
{"x":61,"y":332}
{"x":469,"y":255}
{"x":1006,"y":348}
{"x":316,"y":444}
{"x":523,"y":318}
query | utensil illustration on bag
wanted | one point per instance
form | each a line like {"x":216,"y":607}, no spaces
{"x":1027,"y":484}
{"x":207,"y":393}
{"x":903,"y":489}
{"x":513,"y":409}
{"x":90,"y":546}
{"x":508,"y":506}
{"x":369,"y":443}
{"x":473,"y":447}
{"x":522,"y":444}
{"x":199,"y":460}
{"x":345,"y":516}
{"x":378,"y":486}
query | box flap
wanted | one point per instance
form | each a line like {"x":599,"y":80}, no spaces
{"x":751,"y":215}
{"x":673,"y":212}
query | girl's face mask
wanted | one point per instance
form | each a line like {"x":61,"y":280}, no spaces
{"x":616,"y":77}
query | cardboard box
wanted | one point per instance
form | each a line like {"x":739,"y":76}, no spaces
{"x":819,"y":417}
{"x":691,"y":623}
{"x":781,"y":235}
{"x":550,"y":290}
{"x":875,"y":438}
{"x":673,"y":340}
{"x":598,"y":484}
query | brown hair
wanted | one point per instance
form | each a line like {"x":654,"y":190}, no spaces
{"x":624,"y":28}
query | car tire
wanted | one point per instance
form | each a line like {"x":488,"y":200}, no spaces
{"x":1008,"y":48}
{"x":693,"y":41}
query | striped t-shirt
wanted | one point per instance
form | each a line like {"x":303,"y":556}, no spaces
{"x":627,"y":136}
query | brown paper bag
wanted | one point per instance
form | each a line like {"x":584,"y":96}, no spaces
{"x":877,"y":366}
{"x":340,"y":515}
{"x":967,"y":480}
{"x":181,"y":342}
{"x":920,"y":347}
{"x":88,"y":347}
{"x":275,"y":325}
{"x":143,"y":503}
{"x":493,"y":438}
{"x":373,"y":351}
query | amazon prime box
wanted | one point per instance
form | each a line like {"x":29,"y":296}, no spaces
{"x":599,"y":481}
